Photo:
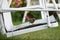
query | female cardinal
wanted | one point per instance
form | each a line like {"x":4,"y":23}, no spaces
{"x":31,"y":20}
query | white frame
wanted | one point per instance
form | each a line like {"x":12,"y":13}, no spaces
{"x":10,"y":20}
{"x":44,"y":11}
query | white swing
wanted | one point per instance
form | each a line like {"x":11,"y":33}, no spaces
{"x":46,"y":21}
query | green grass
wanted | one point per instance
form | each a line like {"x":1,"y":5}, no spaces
{"x":46,"y":34}
{"x":17,"y":23}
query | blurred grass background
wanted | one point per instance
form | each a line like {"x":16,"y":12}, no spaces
{"x":46,"y":34}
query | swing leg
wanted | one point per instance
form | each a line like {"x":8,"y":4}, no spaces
{"x":58,"y":13}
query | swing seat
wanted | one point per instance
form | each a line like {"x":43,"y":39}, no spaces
{"x":36,"y":23}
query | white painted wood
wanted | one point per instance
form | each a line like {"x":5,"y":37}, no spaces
{"x":19,"y":32}
{"x":7,"y":20}
{"x":9,"y":1}
{"x":7,"y":16}
{"x":1,"y":3}
{"x":42,"y":12}
{"x":24,"y":18}
{"x":25,"y":14}
{"x":40,"y":21}
{"x":58,"y":13}
{"x":28,"y":4}
{"x":43,"y":7}
{"x":46,"y":13}
{"x":55,"y":5}
{"x":26,"y":30}
{"x":18,"y":9}
{"x":5,"y":4}
{"x":36,"y":9}
{"x":50,"y":5}
{"x":2,"y":28}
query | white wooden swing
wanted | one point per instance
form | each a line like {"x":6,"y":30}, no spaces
{"x":46,"y":21}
